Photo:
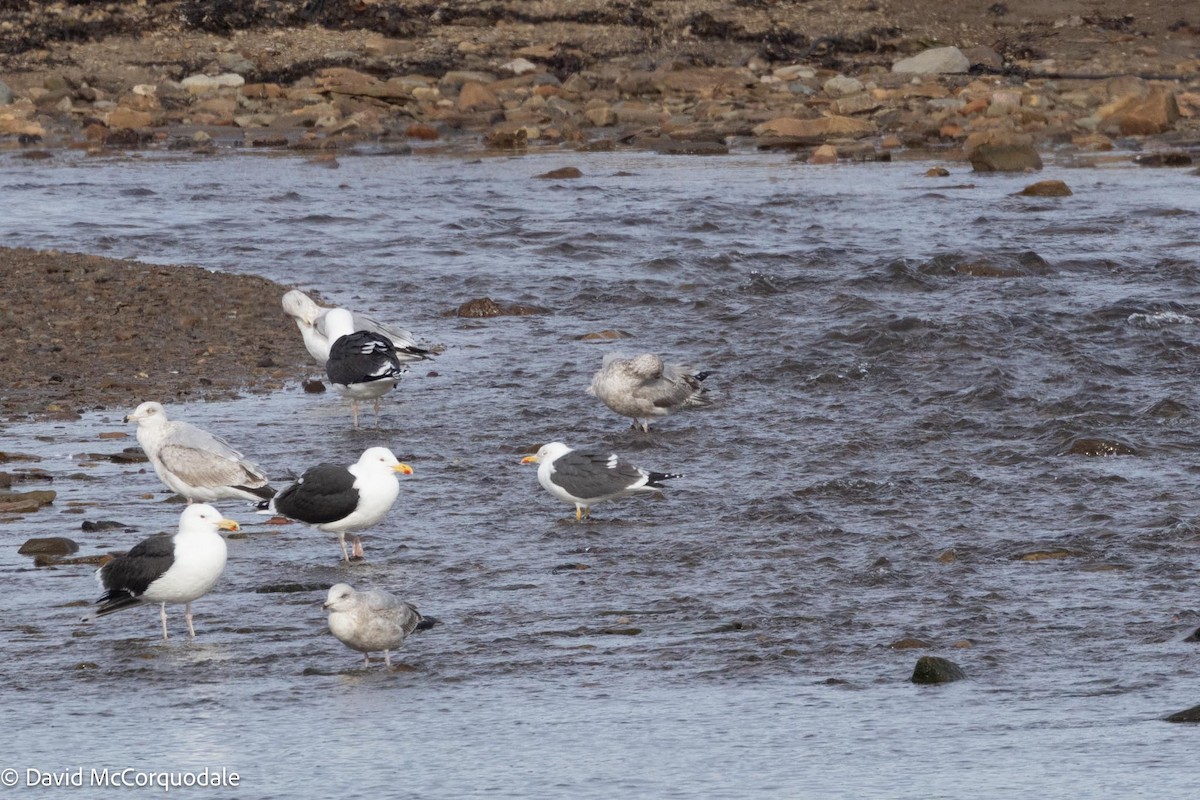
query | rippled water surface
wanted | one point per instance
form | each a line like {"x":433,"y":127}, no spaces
{"x":909,"y":370}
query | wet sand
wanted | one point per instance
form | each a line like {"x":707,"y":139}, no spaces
{"x":88,"y":332}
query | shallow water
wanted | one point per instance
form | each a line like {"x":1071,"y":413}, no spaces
{"x":903,"y":365}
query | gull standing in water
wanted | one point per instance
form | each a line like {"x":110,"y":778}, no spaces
{"x":362,"y":365}
{"x":643,"y":387}
{"x":310,"y":319}
{"x":586,"y":477}
{"x":195,"y":463}
{"x":168,"y":568}
{"x":341,"y":499}
{"x":370,"y":621}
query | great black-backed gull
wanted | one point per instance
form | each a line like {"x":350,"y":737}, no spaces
{"x":168,"y":568}
{"x":195,"y":463}
{"x":310,"y":319}
{"x":585,"y":477}
{"x":344,"y":499}
{"x":370,"y":621}
{"x":362,"y":365}
{"x":644,"y":387}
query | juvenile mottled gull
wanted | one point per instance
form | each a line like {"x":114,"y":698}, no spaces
{"x":370,"y":621}
{"x":310,"y":319}
{"x":362,"y":365}
{"x":195,"y":463}
{"x":343,"y":499}
{"x":168,"y":568}
{"x":643,"y":387}
{"x":585,"y":477}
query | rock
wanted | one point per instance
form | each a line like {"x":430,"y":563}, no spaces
{"x":507,"y":139}
{"x":7,"y":456}
{"x":129,"y":118}
{"x":820,"y":128}
{"x":480,"y":307}
{"x":606,"y":335}
{"x":937,"y":61}
{"x":560,"y":174}
{"x":794,"y":72}
{"x":937,"y":172}
{"x":49,"y":546}
{"x":1140,"y":115}
{"x":1046,"y":555}
{"x":934,"y":669}
{"x":1174,"y":158}
{"x":685,"y":147}
{"x":860,"y":103}
{"x":1005,"y":158}
{"x":474,"y":96}
{"x":25,"y":502}
{"x":420,"y":130}
{"x":313,"y":386}
{"x":201,"y":84}
{"x":6,"y":94}
{"x":825,"y":154}
{"x":984,"y":56}
{"x":289,"y":588}
{"x":601,"y":116}
{"x":908,"y":644}
{"x":1047,"y":189}
{"x":1187,"y":715}
{"x":519,"y":66}
{"x":841,"y":86}
{"x":1099,"y":447}
{"x":1095,"y":142}
{"x":101,"y":525}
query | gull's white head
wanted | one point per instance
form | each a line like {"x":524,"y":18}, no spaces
{"x":341,"y":597}
{"x":380,"y":459}
{"x":299,"y":306}
{"x":148,"y":414}
{"x":547,"y":452}
{"x":203,"y":518}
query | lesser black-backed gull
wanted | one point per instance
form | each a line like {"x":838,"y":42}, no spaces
{"x":310,"y":319}
{"x":585,"y":477}
{"x":370,"y":621}
{"x":362,"y":365}
{"x":643,"y":387}
{"x":341,"y":499}
{"x":195,"y":463}
{"x":169,"y":567}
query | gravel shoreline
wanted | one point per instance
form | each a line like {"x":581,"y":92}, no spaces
{"x":824,"y":80}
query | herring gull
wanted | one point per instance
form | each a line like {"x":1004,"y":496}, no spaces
{"x":310,"y":318}
{"x":370,"y":621}
{"x":340,"y":499}
{"x":585,"y":477}
{"x":195,"y":463}
{"x":643,"y":387}
{"x":168,"y":567}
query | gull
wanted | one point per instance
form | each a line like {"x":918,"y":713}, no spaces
{"x":643,"y":387}
{"x":195,"y":463}
{"x":585,"y":477}
{"x":362,"y":365}
{"x":310,"y":319}
{"x":168,"y":568}
{"x":370,"y":621}
{"x":341,"y":499}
